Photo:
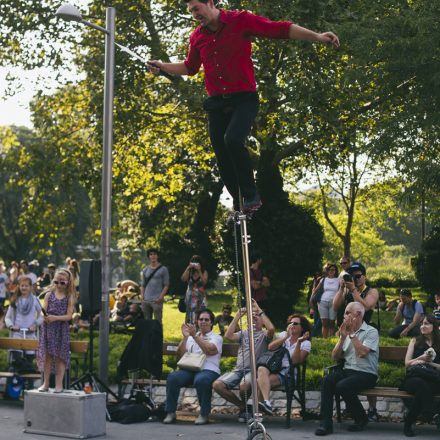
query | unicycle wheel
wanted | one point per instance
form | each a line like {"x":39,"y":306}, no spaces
{"x":258,"y":434}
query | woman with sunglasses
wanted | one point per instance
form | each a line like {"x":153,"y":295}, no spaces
{"x":423,"y":390}
{"x":296,"y":339}
{"x":53,"y":353}
{"x":196,"y":340}
{"x":24,"y":314}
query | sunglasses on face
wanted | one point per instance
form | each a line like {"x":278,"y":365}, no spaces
{"x":61,"y":283}
{"x":205,"y":319}
{"x":343,"y":262}
{"x":295,"y":323}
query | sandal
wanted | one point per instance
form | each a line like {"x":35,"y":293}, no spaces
{"x":58,"y":391}
{"x":43,"y":389}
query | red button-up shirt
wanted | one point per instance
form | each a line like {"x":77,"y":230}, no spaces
{"x":226,"y":53}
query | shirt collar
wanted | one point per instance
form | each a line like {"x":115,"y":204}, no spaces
{"x":223,"y":17}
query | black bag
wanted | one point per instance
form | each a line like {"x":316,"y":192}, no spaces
{"x":182,"y":305}
{"x":272,"y":360}
{"x":22,"y":365}
{"x":128,"y":411}
{"x":426,"y":372}
{"x":316,"y":298}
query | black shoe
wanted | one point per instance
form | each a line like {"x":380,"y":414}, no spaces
{"x":322,"y":430}
{"x":358,"y":427}
{"x":372,"y":414}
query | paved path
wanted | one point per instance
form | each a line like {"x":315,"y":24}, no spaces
{"x":222,"y":427}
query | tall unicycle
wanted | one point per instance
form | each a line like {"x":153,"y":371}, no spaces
{"x":256,"y":429}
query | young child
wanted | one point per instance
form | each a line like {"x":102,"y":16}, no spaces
{"x":53,"y":353}
{"x":24,"y":312}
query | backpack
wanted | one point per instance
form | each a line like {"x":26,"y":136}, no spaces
{"x":128,"y":411}
{"x":14,"y":387}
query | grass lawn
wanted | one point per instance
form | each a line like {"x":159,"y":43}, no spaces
{"x":390,"y":375}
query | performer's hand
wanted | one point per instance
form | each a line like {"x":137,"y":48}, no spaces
{"x":329,"y":38}
{"x":158,"y":300}
{"x":154,"y":66}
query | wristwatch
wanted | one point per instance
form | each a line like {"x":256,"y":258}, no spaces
{"x":261,"y":313}
{"x":352,"y":335}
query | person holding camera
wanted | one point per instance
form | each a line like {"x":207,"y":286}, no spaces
{"x":196,"y":276}
{"x":353,"y":288}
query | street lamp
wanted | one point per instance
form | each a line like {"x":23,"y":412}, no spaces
{"x":71,"y":13}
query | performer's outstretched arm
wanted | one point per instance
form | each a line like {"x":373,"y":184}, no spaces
{"x":299,"y":33}
{"x":171,"y":68}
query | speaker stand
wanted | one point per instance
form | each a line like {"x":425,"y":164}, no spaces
{"x":97,"y":384}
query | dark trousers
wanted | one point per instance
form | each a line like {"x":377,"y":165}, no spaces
{"x":423,"y":402}
{"x":395,"y":332}
{"x":346,"y":383}
{"x":230,"y":122}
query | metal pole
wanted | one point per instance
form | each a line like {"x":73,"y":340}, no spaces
{"x":106,"y":196}
{"x":253,"y":363}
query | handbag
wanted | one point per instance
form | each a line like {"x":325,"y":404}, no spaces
{"x":424,"y":371}
{"x":192,"y":361}
{"x":316,"y":298}
{"x":272,"y":360}
{"x":182,"y":305}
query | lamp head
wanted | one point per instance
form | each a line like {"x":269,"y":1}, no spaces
{"x":69,"y":13}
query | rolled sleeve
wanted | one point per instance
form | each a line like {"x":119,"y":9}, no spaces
{"x":371,"y":339}
{"x":193,"y":60}
{"x":263,"y":27}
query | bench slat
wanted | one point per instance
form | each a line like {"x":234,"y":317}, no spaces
{"x":32,"y":344}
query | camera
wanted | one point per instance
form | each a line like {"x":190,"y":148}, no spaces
{"x":347,"y":278}
{"x":193,"y":264}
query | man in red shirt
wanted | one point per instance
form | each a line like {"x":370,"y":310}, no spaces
{"x":222,"y":44}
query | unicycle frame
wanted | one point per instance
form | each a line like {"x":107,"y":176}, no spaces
{"x":245,"y":240}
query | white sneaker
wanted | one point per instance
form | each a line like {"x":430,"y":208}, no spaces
{"x":201,"y":420}
{"x":170,"y":418}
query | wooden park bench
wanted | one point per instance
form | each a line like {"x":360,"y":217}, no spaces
{"x":231,"y":350}
{"x":80,"y":348}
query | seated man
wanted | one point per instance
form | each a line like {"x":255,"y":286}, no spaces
{"x":241,"y":373}
{"x":224,"y":319}
{"x":412,"y":314}
{"x":134,"y":314}
{"x":358,"y":346}
{"x":120,"y":310}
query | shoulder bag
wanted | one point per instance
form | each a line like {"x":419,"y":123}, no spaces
{"x":192,"y":361}
{"x":272,"y":360}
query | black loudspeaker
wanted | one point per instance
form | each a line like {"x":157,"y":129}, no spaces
{"x":90,"y":286}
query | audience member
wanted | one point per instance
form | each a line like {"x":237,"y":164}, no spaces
{"x":224,"y":319}
{"x":354,"y":288}
{"x":358,"y":346}
{"x":46,"y":277}
{"x":202,"y":341}
{"x":4,"y":281}
{"x":344,"y":262}
{"x":134,"y":314}
{"x":422,"y":389}
{"x":436,"y":311}
{"x":411,"y":312}
{"x":13,"y":272}
{"x":24,"y":315}
{"x":24,"y":270}
{"x":314,"y":311}
{"x":296,"y":340}
{"x":2,"y":318}
{"x":120,"y":310}
{"x":241,"y":374}
{"x":74,"y":270}
{"x":259,"y":281}
{"x":196,"y":276}
{"x":155,"y":284}
{"x":323,"y":295}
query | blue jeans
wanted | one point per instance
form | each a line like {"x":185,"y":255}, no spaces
{"x":202,"y":380}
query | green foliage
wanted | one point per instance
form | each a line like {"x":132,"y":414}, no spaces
{"x":428,"y":263}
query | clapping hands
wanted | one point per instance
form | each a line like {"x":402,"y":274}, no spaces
{"x":188,"y":330}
